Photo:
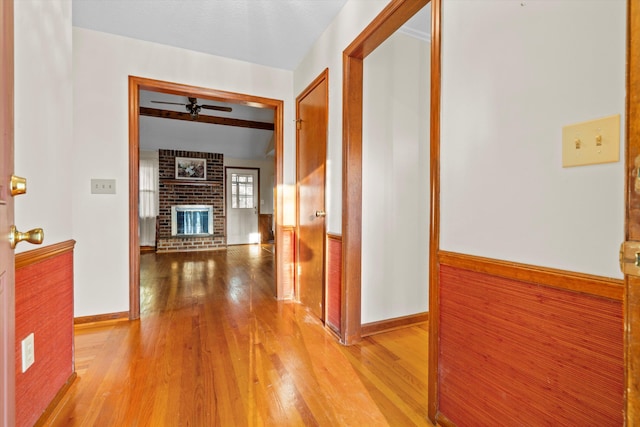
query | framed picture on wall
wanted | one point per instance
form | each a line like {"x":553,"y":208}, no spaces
{"x":191,"y":168}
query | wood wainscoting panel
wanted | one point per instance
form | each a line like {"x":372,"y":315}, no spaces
{"x":525,"y":353}
{"x":334,"y":282}
{"x":44,"y":307}
{"x":265,"y":227}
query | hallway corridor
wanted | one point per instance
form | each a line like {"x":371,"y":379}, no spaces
{"x":214,"y":348}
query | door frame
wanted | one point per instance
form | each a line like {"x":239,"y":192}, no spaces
{"x":322,"y":77}
{"x":140,"y":83}
{"x":632,"y":217}
{"x":226,"y":213}
{"x":392,"y":17}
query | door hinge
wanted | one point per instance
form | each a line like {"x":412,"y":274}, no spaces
{"x":299,"y":124}
{"x":630,"y":258}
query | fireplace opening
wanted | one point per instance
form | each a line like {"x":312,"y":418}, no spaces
{"x":191,"y":220}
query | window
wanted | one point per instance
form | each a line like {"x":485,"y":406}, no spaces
{"x":148,"y":197}
{"x":241,"y":191}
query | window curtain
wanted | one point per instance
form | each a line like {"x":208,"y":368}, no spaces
{"x":149,"y":197}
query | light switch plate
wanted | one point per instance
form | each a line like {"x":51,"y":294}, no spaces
{"x":592,"y":142}
{"x":103,"y":186}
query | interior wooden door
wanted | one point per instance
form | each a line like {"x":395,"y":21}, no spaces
{"x":7,"y":281}
{"x":632,"y":232}
{"x":311,"y":112}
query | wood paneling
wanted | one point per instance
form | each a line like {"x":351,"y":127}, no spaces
{"x":527,"y":354}
{"x":34,"y":256}
{"x":44,"y":307}
{"x":265,"y":227}
{"x":334,"y":284}
{"x":568,"y":280}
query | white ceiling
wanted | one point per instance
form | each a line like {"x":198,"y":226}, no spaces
{"x":275,"y":33}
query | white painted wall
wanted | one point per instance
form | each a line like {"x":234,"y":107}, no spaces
{"x":267,"y":178}
{"x":395,"y":180}
{"x":514,"y":73}
{"x":327,"y":53}
{"x":43,"y":117}
{"x":102,"y":64}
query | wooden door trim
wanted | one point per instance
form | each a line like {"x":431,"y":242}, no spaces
{"x":632,"y":217}
{"x":322,"y":77}
{"x":390,"y":19}
{"x":140,"y":83}
{"x":434,"y":230}
{"x":582,"y":283}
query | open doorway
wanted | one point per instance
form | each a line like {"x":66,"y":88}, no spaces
{"x":401,"y":163}
{"x":211,"y":97}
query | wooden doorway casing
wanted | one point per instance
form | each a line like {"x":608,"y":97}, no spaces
{"x":632,"y":217}
{"x":140,"y":83}
{"x":381,"y":28}
{"x":311,"y":153}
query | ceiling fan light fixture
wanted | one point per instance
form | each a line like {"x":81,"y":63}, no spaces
{"x":194,"y":110}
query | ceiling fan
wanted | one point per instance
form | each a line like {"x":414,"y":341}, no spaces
{"x":193,"y":108}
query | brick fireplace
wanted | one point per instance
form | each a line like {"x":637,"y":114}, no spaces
{"x":184,"y":192}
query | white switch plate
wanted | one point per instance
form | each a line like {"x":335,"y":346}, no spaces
{"x":592,"y":142}
{"x":28,"y":352}
{"x":103,"y":186}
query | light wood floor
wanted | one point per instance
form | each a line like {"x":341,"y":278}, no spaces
{"x":214,"y":348}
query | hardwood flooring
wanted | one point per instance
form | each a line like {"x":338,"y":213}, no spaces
{"x":213,"y":347}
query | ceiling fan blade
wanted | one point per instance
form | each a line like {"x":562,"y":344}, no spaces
{"x":165,"y":102}
{"x":217,"y":108}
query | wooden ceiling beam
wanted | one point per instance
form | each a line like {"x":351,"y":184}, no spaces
{"x":225,"y":121}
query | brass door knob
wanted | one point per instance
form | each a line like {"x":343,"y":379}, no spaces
{"x":18,"y":185}
{"x":35,"y":236}
{"x":321,"y":214}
